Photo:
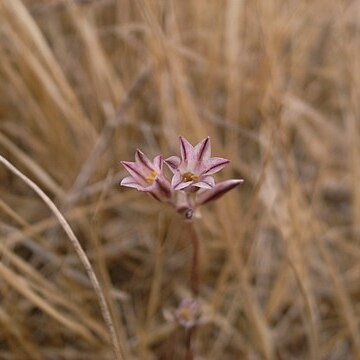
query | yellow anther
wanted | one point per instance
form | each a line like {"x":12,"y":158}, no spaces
{"x":152,"y":176}
{"x":189,"y":177}
{"x":186,"y":313}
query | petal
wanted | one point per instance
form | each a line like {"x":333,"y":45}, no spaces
{"x":183,"y":185}
{"x":186,"y":149}
{"x":207,"y":182}
{"x":203,"y":150}
{"x":135,"y":170}
{"x":214,"y":165}
{"x":173,"y":162}
{"x":129,"y":181}
{"x":176,"y":179}
{"x":158,"y":163}
{"x":219,"y":190}
{"x":142,"y":159}
{"x":162,"y":186}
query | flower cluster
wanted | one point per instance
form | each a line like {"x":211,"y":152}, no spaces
{"x":192,"y":183}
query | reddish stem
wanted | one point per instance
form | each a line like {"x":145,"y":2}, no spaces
{"x":189,"y":351}
{"x":194,"y":274}
{"x":194,"y":284}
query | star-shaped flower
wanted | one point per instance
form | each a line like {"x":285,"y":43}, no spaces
{"x":191,"y":185}
{"x":147,"y":176}
{"x":195,"y":166}
{"x":188,"y":314}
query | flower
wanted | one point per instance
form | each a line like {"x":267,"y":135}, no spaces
{"x":147,"y":176}
{"x":191,"y":185}
{"x":188,"y":313}
{"x":195,"y":167}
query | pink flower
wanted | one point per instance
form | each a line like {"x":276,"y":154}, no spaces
{"x":192,"y":184}
{"x":147,"y":176}
{"x":195,"y":167}
{"x":188,"y":314}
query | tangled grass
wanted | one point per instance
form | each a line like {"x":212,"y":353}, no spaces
{"x":275,"y":83}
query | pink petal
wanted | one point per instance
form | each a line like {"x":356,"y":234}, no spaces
{"x":142,"y":159}
{"x":129,"y":181}
{"x":203,"y":150}
{"x":219,"y":190}
{"x":186,"y":149}
{"x":214,"y":165}
{"x":162,"y":186}
{"x":135,"y":170}
{"x":173,"y":162}
{"x":158,"y":163}
{"x":183,"y":185}
{"x":207,"y":182}
{"x":176,"y":179}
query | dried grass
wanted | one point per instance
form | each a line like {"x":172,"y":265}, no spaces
{"x":275,"y":84}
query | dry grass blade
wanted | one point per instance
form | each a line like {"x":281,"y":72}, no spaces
{"x":105,"y":137}
{"x":20,"y":285}
{"x":82,"y":256}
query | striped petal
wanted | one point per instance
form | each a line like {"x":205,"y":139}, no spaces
{"x":135,"y":170}
{"x":158,"y":163}
{"x":143,"y":160}
{"x":176,"y":179}
{"x":206,"y":182}
{"x":213,"y":165}
{"x":129,"y":181}
{"x":183,"y":185}
{"x":162,"y":187}
{"x":186,"y":149}
{"x":203,"y":150}
{"x":217,"y":191}
{"x":173,"y":162}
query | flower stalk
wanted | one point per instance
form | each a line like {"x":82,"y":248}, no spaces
{"x":195,"y":266}
{"x":194,"y":285}
{"x":191,"y":185}
{"x":189,"y":355}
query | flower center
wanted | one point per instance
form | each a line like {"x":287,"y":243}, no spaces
{"x":189,"y":177}
{"x":186,"y":314}
{"x":152,"y":176}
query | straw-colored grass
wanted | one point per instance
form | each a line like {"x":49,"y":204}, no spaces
{"x":275,"y":83}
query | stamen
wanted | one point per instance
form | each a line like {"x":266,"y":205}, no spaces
{"x":152,"y":176}
{"x":189,"y":177}
{"x":186,"y":313}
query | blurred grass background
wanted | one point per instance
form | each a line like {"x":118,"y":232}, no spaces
{"x":275,"y":83}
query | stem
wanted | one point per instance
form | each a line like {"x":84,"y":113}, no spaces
{"x":194,"y":284}
{"x":194,"y":274}
{"x":189,"y":351}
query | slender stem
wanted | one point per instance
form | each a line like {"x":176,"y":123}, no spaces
{"x":194,"y":274}
{"x":189,"y":339}
{"x":195,"y":286}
